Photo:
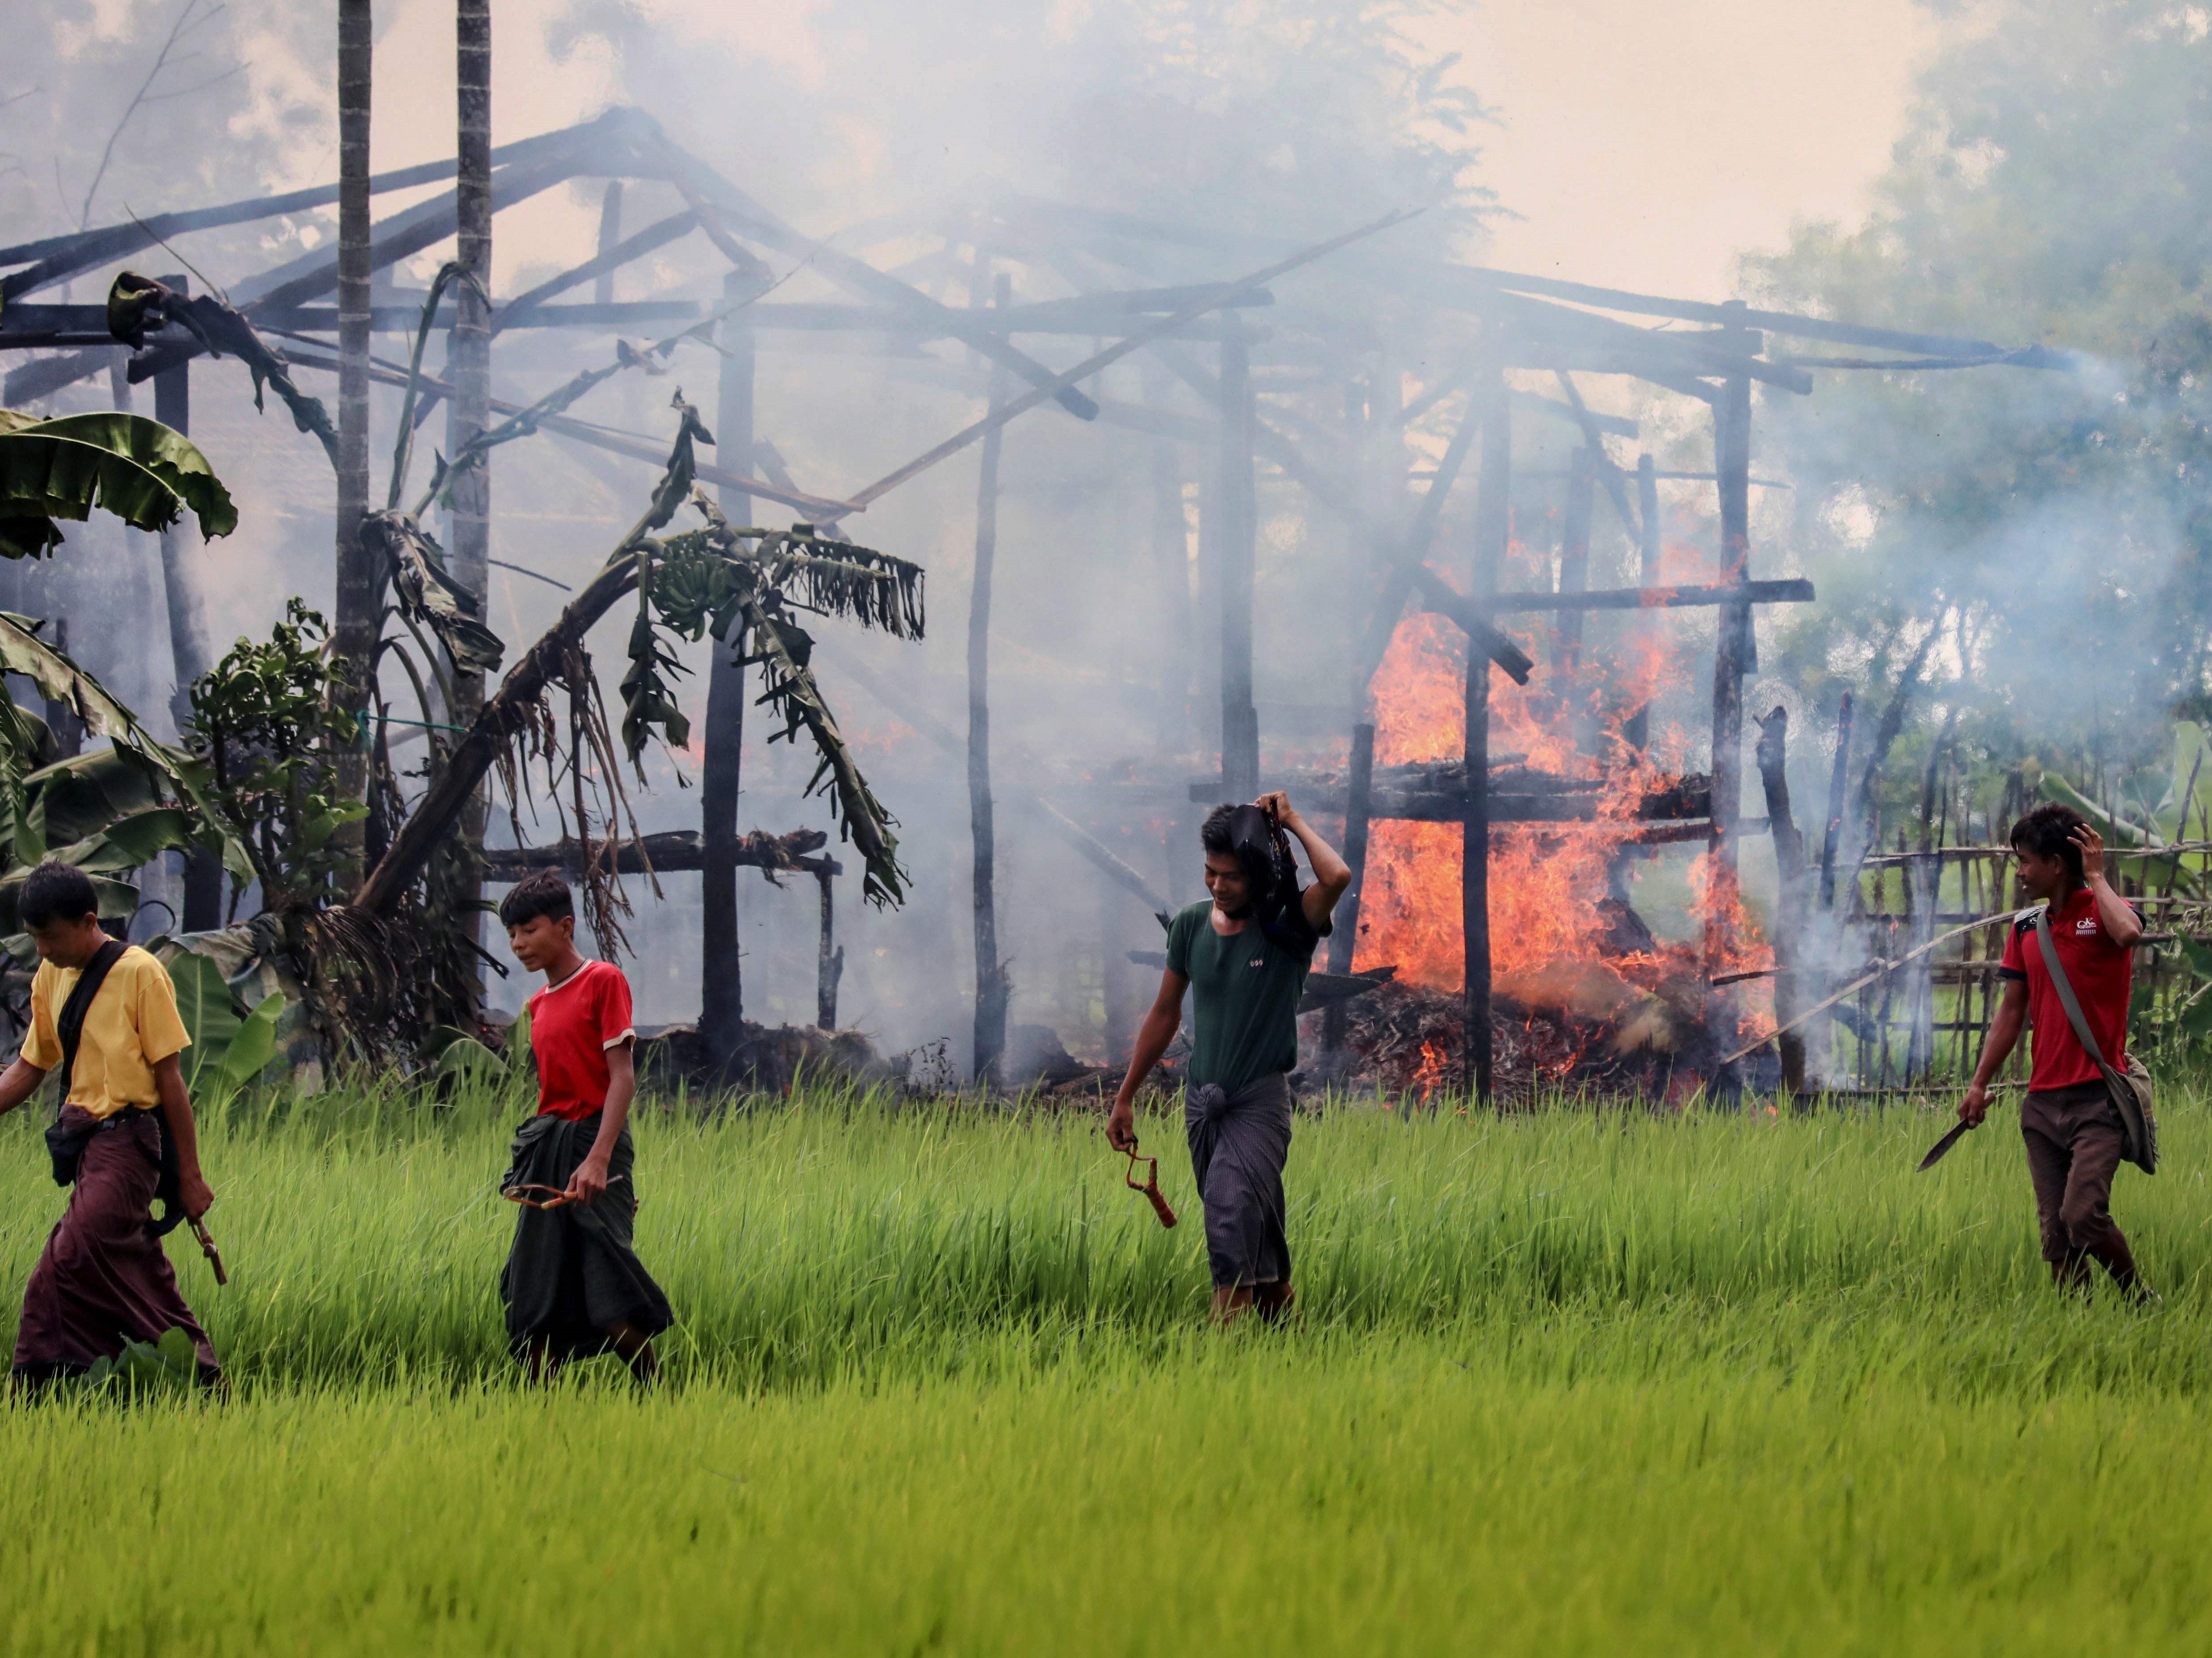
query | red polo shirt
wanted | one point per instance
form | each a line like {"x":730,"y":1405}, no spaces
{"x":2102,"y":973}
{"x":572,"y":1026}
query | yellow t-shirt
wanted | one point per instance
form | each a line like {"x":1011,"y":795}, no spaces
{"x":131,"y":1028}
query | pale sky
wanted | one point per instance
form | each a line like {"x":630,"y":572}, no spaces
{"x":1647,"y":143}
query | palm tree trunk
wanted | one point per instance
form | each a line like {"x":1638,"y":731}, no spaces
{"x":356,"y":582}
{"x":992,"y":988}
{"x":469,"y":355}
{"x":721,"y":983}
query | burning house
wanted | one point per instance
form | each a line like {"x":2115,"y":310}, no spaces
{"x":1490,"y":755}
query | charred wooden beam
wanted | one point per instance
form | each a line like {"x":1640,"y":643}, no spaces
{"x":312,"y":275}
{"x":1838,"y":783}
{"x":611,"y":236}
{"x":1637,"y":730}
{"x":993,"y":989}
{"x":676,"y":852}
{"x":1790,"y":909}
{"x":829,"y":956}
{"x":717,"y":200}
{"x":1493,"y":534}
{"x":598,"y":270}
{"x":1574,"y":557}
{"x":1792,"y":590}
{"x":1731,"y":657}
{"x":1357,"y":812}
{"x":1234,"y":545}
{"x":1437,"y":793}
{"x":56,"y":258}
{"x":1490,"y":645}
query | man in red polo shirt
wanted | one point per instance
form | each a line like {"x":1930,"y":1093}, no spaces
{"x":2074,"y":1133}
{"x":573,"y":1286}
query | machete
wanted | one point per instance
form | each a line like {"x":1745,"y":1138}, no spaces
{"x":1936,"y":1151}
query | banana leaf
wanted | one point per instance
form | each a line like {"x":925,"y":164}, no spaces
{"x":137,"y":303}
{"x":428,"y":595}
{"x":118,"y":901}
{"x":133,"y":843}
{"x":137,"y":469}
{"x":81,"y":795}
{"x":2116,"y":832}
{"x":252,"y":1046}
{"x":211,"y":1014}
{"x":784,"y":651}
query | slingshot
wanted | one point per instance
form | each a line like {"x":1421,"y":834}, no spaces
{"x":531,"y":1195}
{"x":1149,"y":1186}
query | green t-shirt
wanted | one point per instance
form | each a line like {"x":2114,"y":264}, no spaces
{"x":1244,"y":996}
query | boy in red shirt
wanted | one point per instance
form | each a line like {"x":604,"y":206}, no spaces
{"x":573,"y":1286}
{"x":2074,"y":1133}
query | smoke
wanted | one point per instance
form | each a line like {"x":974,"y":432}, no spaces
{"x":2044,"y":527}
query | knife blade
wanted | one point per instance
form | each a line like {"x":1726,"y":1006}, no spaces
{"x":1936,"y":1152}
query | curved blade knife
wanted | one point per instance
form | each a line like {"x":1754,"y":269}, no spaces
{"x":1936,"y":1152}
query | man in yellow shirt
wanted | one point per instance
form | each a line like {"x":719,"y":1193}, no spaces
{"x":103,"y":1278}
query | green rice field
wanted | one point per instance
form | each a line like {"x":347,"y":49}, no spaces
{"x":1579,"y":1381}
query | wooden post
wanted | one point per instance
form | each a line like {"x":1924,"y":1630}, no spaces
{"x":1637,"y":730}
{"x":1171,"y":557}
{"x":721,"y":966}
{"x":189,"y":652}
{"x":1345,"y":940}
{"x":1732,"y":461}
{"x":1492,"y":529}
{"x":1574,"y":558}
{"x":354,"y":635}
{"x":829,"y":958}
{"x":1839,"y":786}
{"x":1240,"y":718}
{"x":1789,"y":907}
{"x":1115,"y":1000}
{"x":603,"y":285}
{"x":993,"y":989}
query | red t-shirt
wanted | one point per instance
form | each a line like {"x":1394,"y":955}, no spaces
{"x":2102,"y":973}
{"x":572,"y":1026}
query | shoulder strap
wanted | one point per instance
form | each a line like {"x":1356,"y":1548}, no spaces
{"x":69,"y":1025}
{"x":2066,"y":990}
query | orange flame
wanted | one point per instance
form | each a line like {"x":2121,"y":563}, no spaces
{"x":1555,"y":938}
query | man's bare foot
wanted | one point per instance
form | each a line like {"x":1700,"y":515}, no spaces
{"x":1229,"y":1300}
{"x":635,"y":1348}
{"x":1274,"y":1301}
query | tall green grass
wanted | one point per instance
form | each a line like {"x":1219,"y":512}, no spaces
{"x":1577,"y":1381}
{"x":842,"y":1236}
{"x":1331,"y":1492}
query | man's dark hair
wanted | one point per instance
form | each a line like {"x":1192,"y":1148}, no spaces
{"x":1214,"y":833}
{"x":2048,"y":832}
{"x":56,"y":892}
{"x":1261,"y":851}
{"x":541,"y":892}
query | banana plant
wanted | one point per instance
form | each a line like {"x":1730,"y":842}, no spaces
{"x":231,"y":1046}
{"x":145,"y":474}
{"x":111,"y":811}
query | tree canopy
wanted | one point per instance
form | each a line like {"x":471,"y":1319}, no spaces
{"x":2054,"y":186}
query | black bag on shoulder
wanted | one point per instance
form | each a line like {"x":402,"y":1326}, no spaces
{"x":66,"y":1146}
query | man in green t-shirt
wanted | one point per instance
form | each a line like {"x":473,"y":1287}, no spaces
{"x":1244,"y":954}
